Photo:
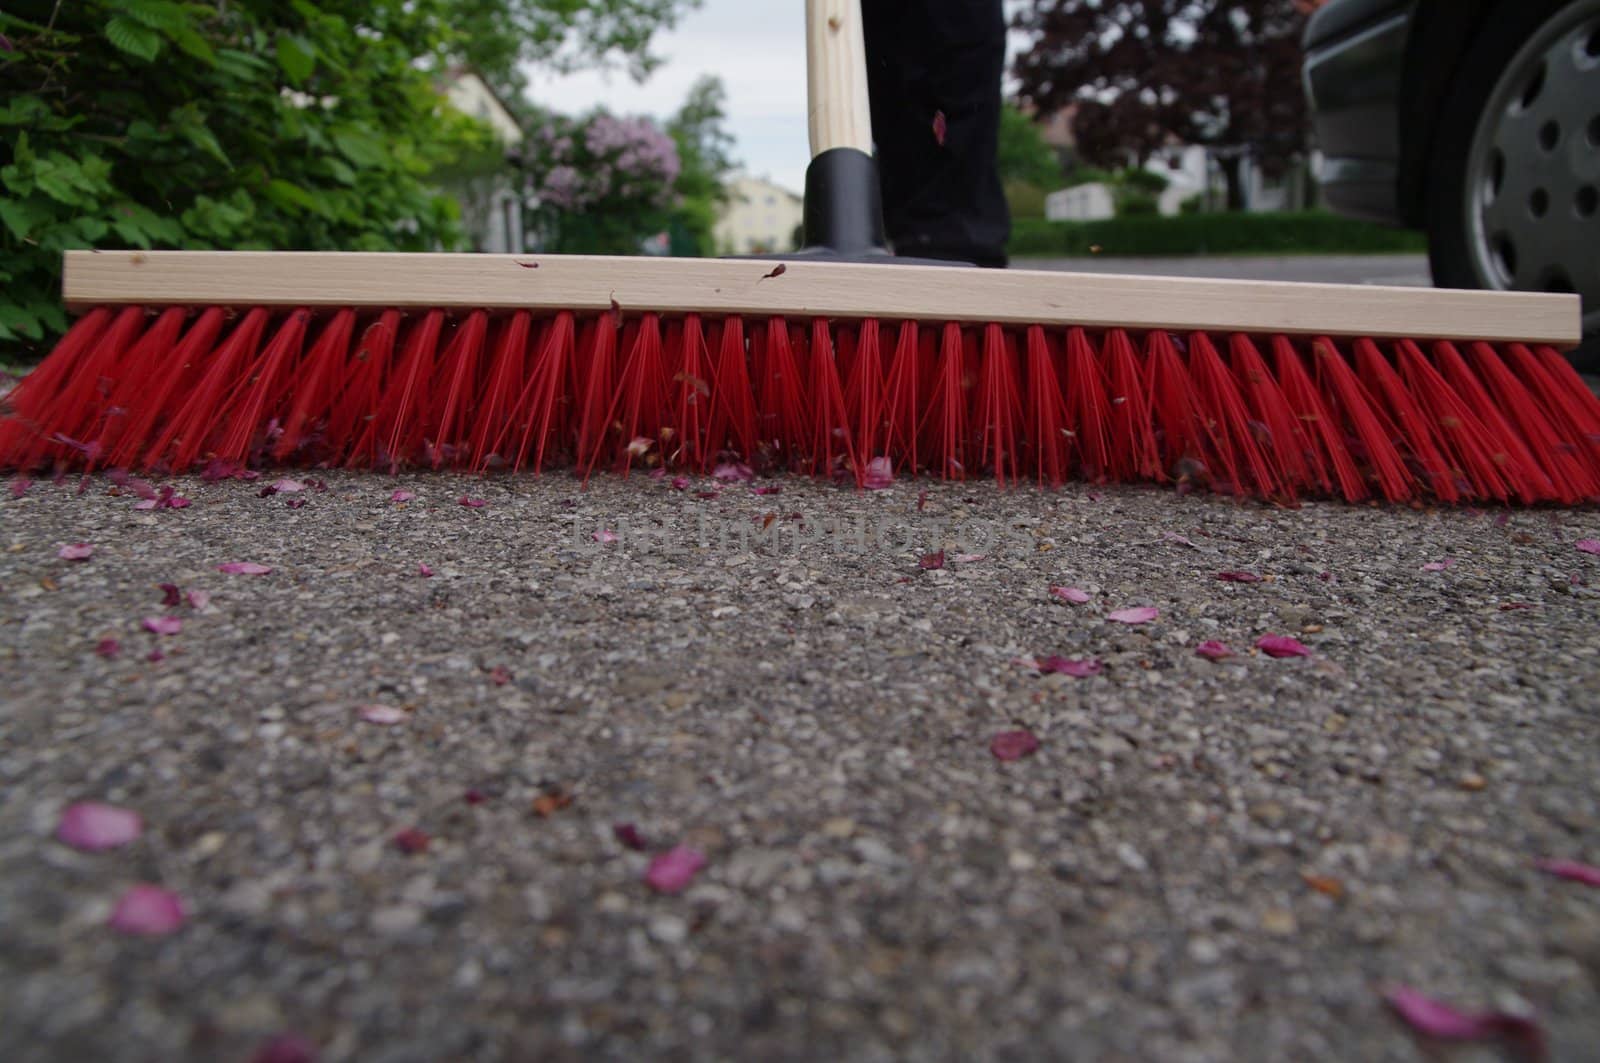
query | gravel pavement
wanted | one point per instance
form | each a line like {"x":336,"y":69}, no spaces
{"x":1203,"y":860}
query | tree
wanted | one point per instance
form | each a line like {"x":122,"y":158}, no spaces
{"x":602,"y":184}
{"x":705,"y":152}
{"x":1146,"y":73}
{"x":1024,"y":155}
{"x":497,"y":38}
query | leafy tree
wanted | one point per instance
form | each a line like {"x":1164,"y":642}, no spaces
{"x":705,"y":150}
{"x":1223,"y":73}
{"x":497,"y":38}
{"x":249,"y":124}
{"x":1024,"y":155}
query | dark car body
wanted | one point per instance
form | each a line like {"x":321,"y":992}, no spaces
{"x":1377,"y":72}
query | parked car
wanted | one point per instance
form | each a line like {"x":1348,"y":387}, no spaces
{"x":1477,"y":121}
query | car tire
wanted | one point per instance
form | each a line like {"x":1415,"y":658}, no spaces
{"x":1459,"y":246}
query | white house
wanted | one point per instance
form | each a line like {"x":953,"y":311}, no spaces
{"x":491,"y":206}
{"x":759,"y":216}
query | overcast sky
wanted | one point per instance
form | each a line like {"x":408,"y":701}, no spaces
{"x":757,"y":48}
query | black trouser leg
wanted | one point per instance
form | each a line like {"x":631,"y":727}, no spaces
{"x":927,"y":59}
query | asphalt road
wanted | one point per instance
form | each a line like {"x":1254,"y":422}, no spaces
{"x":1202,"y":860}
{"x":1404,"y":270}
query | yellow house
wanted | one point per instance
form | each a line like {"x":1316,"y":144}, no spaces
{"x":758,"y":216}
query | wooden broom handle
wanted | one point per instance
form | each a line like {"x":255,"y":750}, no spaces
{"x":836,"y":76}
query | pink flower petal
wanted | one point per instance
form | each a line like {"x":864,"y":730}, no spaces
{"x":148,"y":910}
{"x":285,"y":1048}
{"x":933,"y":560}
{"x":155,"y":655}
{"x":1067,"y":666}
{"x":658,"y":473}
{"x":1570,"y":869}
{"x":288,"y":486}
{"x":382,"y":714}
{"x":1139,"y":614}
{"x":1013,"y":745}
{"x":879,"y":474}
{"x":1070,"y":594}
{"x":423,"y":570}
{"x":75,"y":552}
{"x":170,"y":595}
{"x":475,"y":796}
{"x":1437,"y":1019}
{"x":148,"y":503}
{"x":772,"y":489}
{"x":1281,"y":646}
{"x":19,"y":486}
{"x":144,"y":489}
{"x":1213,"y":650}
{"x":680,"y":483}
{"x":673,"y":870}
{"x":472,"y":503}
{"x":177,"y":502}
{"x":163,"y":625}
{"x":499,"y":675}
{"x":1588,"y":546}
{"x":108,"y":648}
{"x":92,"y":826}
{"x":733,"y":472}
{"x":244,"y":568}
{"x":1439,"y":566}
{"x":639,"y":444}
{"x":1238,"y":577}
{"x":629,"y":836}
{"x":605,"y":535}
{"x":939,"y":127}
{"x":412,"y":841}
{"x":199,"y":599}
{"x":967,"y":559}
{"x":296,"y":503}
{"x":402,"y":496}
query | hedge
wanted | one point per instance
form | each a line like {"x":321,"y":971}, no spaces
{"x":1301,"y":232}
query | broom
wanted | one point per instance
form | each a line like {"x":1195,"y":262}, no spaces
{"x":838,"y":361}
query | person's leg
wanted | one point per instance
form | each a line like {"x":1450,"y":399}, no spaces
{"x":933,"y":72}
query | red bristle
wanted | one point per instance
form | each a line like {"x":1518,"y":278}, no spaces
{"x":194,"y":424}
{"x":1133,"y":453}
{"x":1046,"y":418}
{"x":945,"y":420}
{"x":999,"y":407}
{"x":457,"y":386}
{"x":733,"y":401}
{"x":357,"y":404}
{"x":782,"y":421}
{"x":498,"y":405}
{"x":249,"y":419}
{"x":86,"y":405}
{"x":1187,"y":450}
{"x":1227,"y":421}
{"x":1546,"y":434}
{"x":1406,"y":421}
{"x":691,"y":408}
{"x":1531,"y":480}
{"x":148,"y":388}
{"x":1366,"y":423}
{"x":397,"y":429}
{"x":1273,"y":420}
{"x":1089,"y":410}
{"x":325,"y":365}
{"x":1474,"y":447}
{"x":865,"y":400}
{"x":830,"y":425}
{"x":599,"y":386}
{"x":1565,"y":393}
{"x":35,"y":391}
{"x":640,"y":403}
{"x":902,"y":396}
{"x":56,"y":410}
{"x":1316,"y":419}
{"x":845,"y":342}
{"x":541,"y":406}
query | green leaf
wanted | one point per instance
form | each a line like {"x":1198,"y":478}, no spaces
{"x":292,"y":196}
{"x":194,"y":45}
{"x":360,"y":147}
{"x":340,"y":172}
{"x":297,"y":57}
{"x":131,"y":37}
{"x":22,"y":320}
{"x":157,"y":14}
{"x":21,"y":217}
{"x":206,"y":141}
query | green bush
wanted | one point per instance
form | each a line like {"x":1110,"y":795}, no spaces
{"x":1304,"y":232}
{"x":253,"y":124}
{"x":1136,"y":202}
{"x":1025,"y":199}
{"x":1142,"y":179}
